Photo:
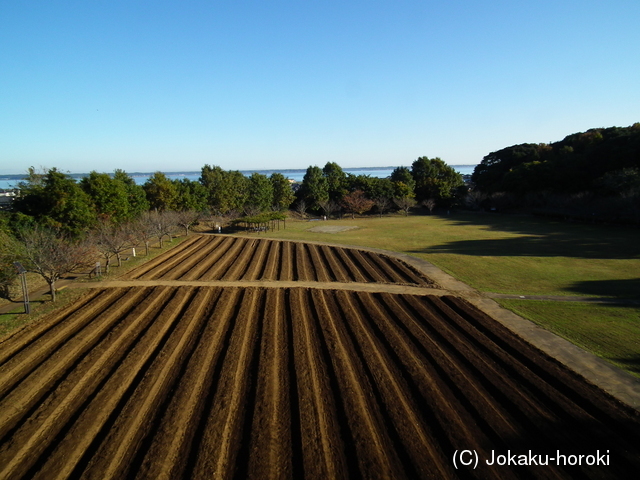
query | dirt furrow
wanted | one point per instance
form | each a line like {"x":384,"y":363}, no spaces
{"x":408,"y":272}
{"x":189,"y":258}
{"x":32,"y":389}
{"x":170,"y":449}
{"x":256,"y":265}
{"x":319,"y":264}
{"x":377,"y":457}
{"x":29,"y":451}
{"x":164,"y":269}
{"x":351,"y":265}
{"x":272,"y":263}
{"x":323,"y":449}
{"x":387,"y":268}
{"x":287,"y":262}
{"x":27,"y":353}
{"x":154,"y":263}
{"x":449,"y":423}
{"x":335,"y":265}
{"x":270,"y":443}
{"x":241,"y":261}
{"x":372,"y":272}
{"x":422,"y":444}
{"x":225,"y":260}
{"x":455,"y":374}
{"x":219,"y":451}
{"x":208,"y":258}
{"x":144,"y":404}
{"x":304,"y":271}
{"x":25,"y":338}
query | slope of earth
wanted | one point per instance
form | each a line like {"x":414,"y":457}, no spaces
{"x":228,"y":382}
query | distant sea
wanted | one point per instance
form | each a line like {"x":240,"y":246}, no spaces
{"x":11,"y":181}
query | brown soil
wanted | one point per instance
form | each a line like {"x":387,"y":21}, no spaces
{"x":234,"y":379}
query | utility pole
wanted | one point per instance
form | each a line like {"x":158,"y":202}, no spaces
{"x":25,"y":291}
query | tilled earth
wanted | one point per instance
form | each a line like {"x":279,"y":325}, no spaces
{"x":190,"y":380}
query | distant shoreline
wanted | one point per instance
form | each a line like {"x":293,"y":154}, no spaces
{"x":22,"y":176}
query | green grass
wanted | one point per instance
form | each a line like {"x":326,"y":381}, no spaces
{"x":502,"y":253}
{"x":612,"y":333}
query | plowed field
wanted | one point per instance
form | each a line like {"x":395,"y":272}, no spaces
{"x":304,"y":383}
{"x":235,"y":258}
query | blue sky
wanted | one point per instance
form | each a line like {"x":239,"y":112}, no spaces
{"x":161,"y":85}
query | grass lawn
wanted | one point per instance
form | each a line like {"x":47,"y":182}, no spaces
{"x":612,"y":333}
{"x":502,"y":253}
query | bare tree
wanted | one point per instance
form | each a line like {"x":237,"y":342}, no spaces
{"x":165,"y":223}
{"x":430,"y":203}
{"x":383,"y":204}
{"x":186,"y":218}
{"x":111,"y":241}
{"x":301,"y":208}
{"x":52,"y":256}
{"x":144,"y":228}
{"x":405,"y":204}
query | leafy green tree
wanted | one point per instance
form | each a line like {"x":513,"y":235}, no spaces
{"x":109,"y":195}
{"x":314,"y":188}
{"x":226,"y":190}
{"x":190,"y":195}
{"x":403,"y":175}
{"x":260,"y":192}
{"x":56,"y":200}
{"x":435,"y":179}
{"x":162,"y":193}
{"x":336,"y":181}
{"x":136,"y":195}
{"x":283,"y":195}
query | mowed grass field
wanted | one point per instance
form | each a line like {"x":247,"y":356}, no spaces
{"x":522,"y":255}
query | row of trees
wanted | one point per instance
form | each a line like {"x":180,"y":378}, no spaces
{"x":52,"y":253}
{"x":430,"y":182}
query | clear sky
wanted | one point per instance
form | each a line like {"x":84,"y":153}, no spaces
{"x":173,"y":85}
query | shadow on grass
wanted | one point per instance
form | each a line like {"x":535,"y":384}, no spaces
{"x":541,"y":238}
{"x":627,"y":288}
{"x":631,"y":363}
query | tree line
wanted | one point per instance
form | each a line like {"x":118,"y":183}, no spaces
{"x":593,"y":173}
{"x":57,"y":225}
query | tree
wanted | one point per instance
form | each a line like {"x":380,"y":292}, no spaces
{"x":435,"y":179}
{"x":187,"y":218}
{"x":190,"y":195}
{"x":403,"y":175}
{"x":405,"y":204}
{"x":7,"y":270}
{"x":55,"y":200}
{"x":336,"y":181}
{"x":430,"y":203}
{"x":53,"y":255}
{"x":356,"y":202}
{"x":111,"y":240}
{"x":260,"y":192}
{"x":314,"y":188}
{"x":283,"y":195}
{"x":162,"y":193}
{"x":383,"y":204}
{"x":136,"y":196}
{"x":226,"y":191}
{"x":109,"y":195}
{"x":144,"y":228}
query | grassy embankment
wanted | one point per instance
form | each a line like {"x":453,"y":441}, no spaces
{"x":522,"y":255}
{"x":43,"y":305}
